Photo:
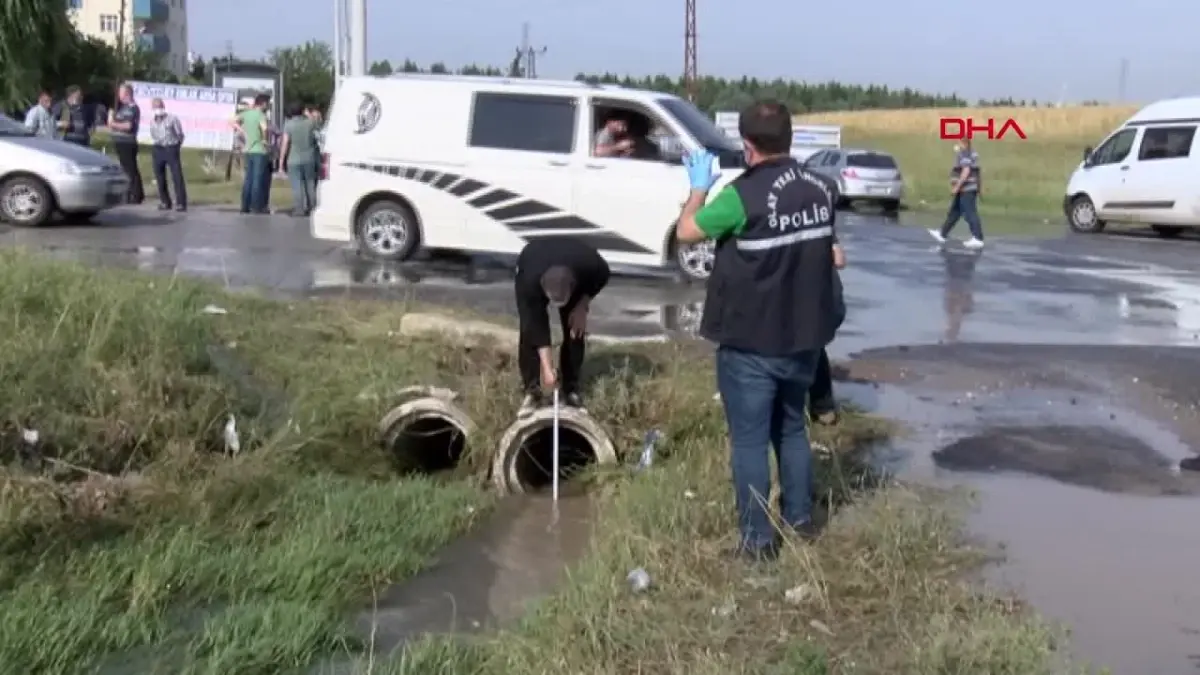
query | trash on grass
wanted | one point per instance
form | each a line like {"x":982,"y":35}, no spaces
{"x":647,"y":458}
{"x":800,"y":594}
{"x":30,"y":436}
{"x":233,"y":445}
{"x":214,"y":310}
{"x":639,"y":580}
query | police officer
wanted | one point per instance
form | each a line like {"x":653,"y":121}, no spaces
{"x":964,"y":197}
{"x":771,"y":308}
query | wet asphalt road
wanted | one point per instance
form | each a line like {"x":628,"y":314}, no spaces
{"x":1057,"y":377}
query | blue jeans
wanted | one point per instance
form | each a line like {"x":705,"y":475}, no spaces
{"x":964,"y":206}
{"x":258,"y":172}
{"x":304,"y":186}
{"x":764,"y":399}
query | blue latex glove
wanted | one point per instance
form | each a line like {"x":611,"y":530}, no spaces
{"x":699,"y":165}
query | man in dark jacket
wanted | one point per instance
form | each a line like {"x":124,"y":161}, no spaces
{"x":566,"y":274}
{"x":76,"y":119}
{"x":771,"y":307}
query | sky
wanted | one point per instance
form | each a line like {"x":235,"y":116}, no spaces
{"x":1068,"y":50}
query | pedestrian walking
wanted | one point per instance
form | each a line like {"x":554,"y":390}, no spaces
{"x":565,"y":274}
{"x":251,"y":123}
{"x":964,"y":197}
{"x":123,"y":124}
{"x":75,"y":118}
{"x":40,"y":120}
{"x":298,"y":153}
{"x":166,"y":132}
{"x":771,"y":308}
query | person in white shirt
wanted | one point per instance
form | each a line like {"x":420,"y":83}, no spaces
{"x":39,"y":120}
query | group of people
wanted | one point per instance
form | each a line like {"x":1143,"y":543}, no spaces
{"x":293,"y":150}
{"x":774,"y":302}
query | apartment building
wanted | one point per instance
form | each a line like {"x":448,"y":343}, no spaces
{"x":159,"y":26}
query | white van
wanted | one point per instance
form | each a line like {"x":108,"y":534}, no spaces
{"x":1147,"y":171}
{"x":488,"y":164}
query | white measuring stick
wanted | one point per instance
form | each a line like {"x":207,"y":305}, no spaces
{"x":555,"y":447}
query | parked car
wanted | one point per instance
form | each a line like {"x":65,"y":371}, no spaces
{"x":1144,"y":172}
{"x":41,"y":176}
{"x":861,"y":175}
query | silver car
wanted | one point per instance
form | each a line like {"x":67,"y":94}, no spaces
{"x":861,"y":175}
{"x":41,"y":176}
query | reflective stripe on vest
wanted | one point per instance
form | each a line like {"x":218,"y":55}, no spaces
{"x":785,"y":239}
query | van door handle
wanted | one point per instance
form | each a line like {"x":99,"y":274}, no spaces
{"x":558,"y":162}
{"x":595,"y":166}
{"x":1125,"y":168}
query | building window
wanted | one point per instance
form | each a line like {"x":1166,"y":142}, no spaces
{"x":109,"y":23}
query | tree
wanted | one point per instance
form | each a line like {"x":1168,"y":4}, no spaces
{"x":198,"y":72}
{"x":307,"y":72}
{"x":380,"y":68}
{"x":36,"y":37}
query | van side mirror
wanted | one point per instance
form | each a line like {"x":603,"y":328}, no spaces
{"x":1087,"y":153}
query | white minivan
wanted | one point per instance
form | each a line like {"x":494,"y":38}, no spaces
{"x":1147,"y":171}
{"x":488,"y":164}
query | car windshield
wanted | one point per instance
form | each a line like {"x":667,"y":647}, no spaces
{"x":11,"y":127}
{"x":871,"y":160}
{"x":699,"y":125}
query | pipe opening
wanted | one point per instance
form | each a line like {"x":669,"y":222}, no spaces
{"x":534,"y":463}
{"x":429,"y":444}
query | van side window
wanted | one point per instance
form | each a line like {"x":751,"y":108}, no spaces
{"x":523,"y":122}
{"x":1115,"y":149}
{"x":1166,"y":143}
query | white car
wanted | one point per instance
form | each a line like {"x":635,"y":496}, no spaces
{"x":41,"y":176}
{"x":1147,"y":171}
{"x":489,"y":164}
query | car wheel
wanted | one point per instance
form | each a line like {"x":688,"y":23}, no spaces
{"x":1081,"y":216}
{"x":695,"y":261}
{"x":25,"y":201}
{"x":1167,"y":231}
{"x":387,"y":230}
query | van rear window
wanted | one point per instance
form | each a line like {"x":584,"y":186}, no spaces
{"x":870,"y":160}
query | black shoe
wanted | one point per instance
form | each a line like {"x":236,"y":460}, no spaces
{"x":244,"y":212}
{"x":1190,"y":464}
{"x":573,"y":400}
{"x":181,"y":209}
{"x":807,"y":531}
{"x":164,"y":207}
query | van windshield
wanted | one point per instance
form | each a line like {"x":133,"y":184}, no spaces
{"x":699,"y":125}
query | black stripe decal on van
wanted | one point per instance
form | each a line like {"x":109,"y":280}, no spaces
{"x":1163,"y":204}
{"x":519,"y":216}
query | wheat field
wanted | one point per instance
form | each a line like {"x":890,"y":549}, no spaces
{"x":1026,"y":179}
{"x":1090,"y":122}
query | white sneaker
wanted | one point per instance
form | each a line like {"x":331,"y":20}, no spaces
{"x":973,"y":243}
{"x":937,"y":236}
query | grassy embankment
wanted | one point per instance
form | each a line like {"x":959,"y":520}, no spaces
{"x":128,"y":534}
{"x":205,"y":175}
{"x":1025,"y":179}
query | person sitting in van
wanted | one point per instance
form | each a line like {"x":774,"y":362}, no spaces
{"x":613,"y":139}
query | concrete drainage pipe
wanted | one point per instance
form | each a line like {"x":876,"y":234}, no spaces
{"x":427,"y":433}
{"x":525,"y":458}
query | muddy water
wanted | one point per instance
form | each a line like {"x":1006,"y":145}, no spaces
{"x":1107,"y":551}
{"x":487,"y":577}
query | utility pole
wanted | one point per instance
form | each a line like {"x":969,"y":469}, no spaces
{"x":1123,"y":80}
{"x":121,"y":52}
{"x":357,"y":66}
{"x":689,"y":49}
{"x":528,"y":53}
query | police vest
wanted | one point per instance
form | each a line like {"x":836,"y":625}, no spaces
{"x":772,"y":289}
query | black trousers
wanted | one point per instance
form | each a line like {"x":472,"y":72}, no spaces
{"x":820,"y":394}
{"x":570,"y":360}
{"x":127,"y":154}
{"x":166,"y":158}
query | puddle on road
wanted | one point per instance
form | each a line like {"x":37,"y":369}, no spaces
{"x":1113,"y":566}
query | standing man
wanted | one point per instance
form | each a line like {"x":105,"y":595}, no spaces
{"x":76,"y":119}
{"x":566,"y":274}
{"x":123,"y":125}
{"x":166,"y":131}
{"x":299,"y":159}
{"x":314,"y":113}
{"x":251,"y":123}
{"x":964,"y":196}
{"x":771,"y":308}
{"x":39,"y":120}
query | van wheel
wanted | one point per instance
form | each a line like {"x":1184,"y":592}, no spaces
{"x":1081,"y":216}
{"x":387,"y":230}
{"x":695,"y":261}
{"x":1167,"y":231}
{"x":25,"y":201}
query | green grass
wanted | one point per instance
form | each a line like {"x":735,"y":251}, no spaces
{"x":136,"y":541}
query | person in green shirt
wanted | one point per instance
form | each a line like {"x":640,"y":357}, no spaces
{"x":299,"y":159}
{"x":251,"y":123}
